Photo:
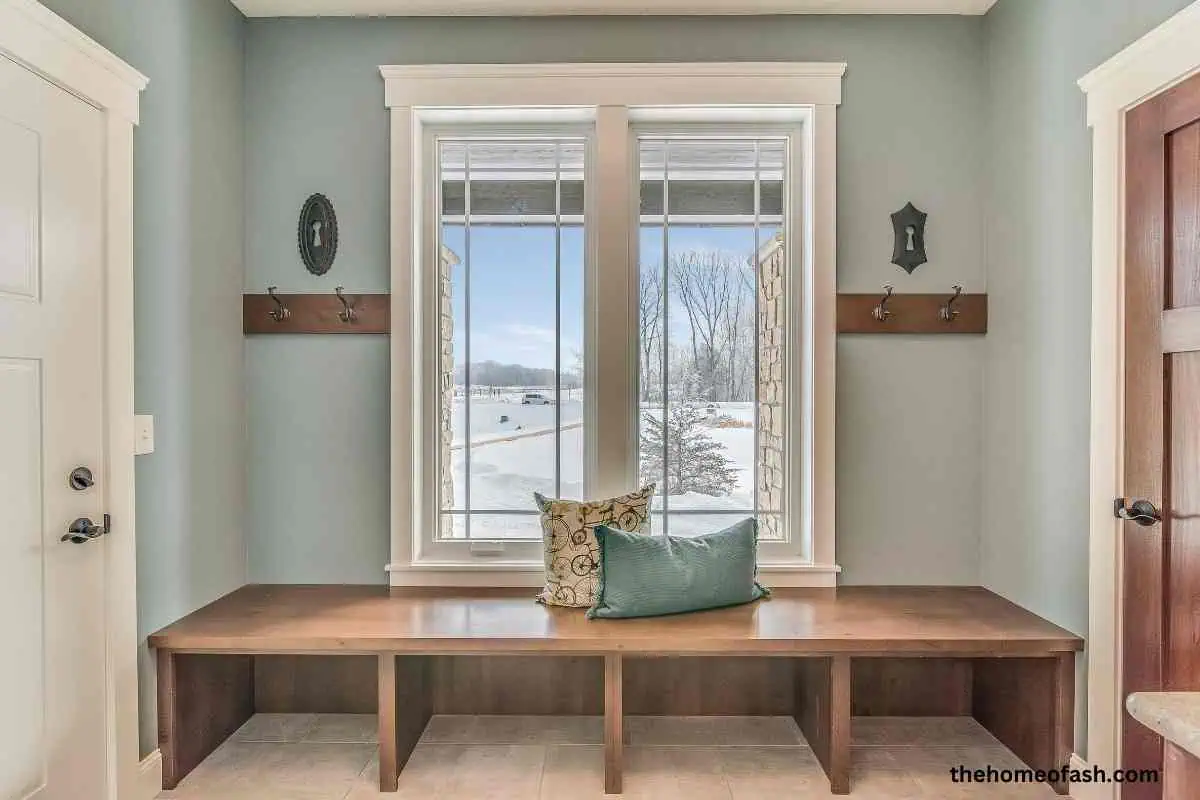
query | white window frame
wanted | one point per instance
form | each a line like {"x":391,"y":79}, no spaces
{"x":478,"y":554}
{"x":613,"y":98}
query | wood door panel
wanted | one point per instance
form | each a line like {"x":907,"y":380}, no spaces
{"x":1182,"y":667}
{"x":1142,"y":551}
{"x":1183,"y":217}
{"x":1180,"y":106}
{"x":1161,"y":564}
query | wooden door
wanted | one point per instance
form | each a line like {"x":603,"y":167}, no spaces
{"x":53,"y":732}
{"x":1161,"y":591}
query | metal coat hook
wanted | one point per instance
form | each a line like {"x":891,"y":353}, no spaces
{"x":880,"y":311}
{"x":348,"y":315}
{"x":281,"y":312}
{"x":948,"y":313}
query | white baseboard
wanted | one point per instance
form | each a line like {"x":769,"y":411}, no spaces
{"x":149,"y":780}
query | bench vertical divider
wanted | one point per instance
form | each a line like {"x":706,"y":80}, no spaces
{"x":613,"y":724}
{"x":405,"y":707}
{"x":389,"y":770}
{"x":1028,"y":703}
{"x":1063,"y":724}
{"x":168,"y":720}
{"x":202,"y":700}
{"x":823,"y":714}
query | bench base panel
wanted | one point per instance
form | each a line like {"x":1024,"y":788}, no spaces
{"x":573,"y":685}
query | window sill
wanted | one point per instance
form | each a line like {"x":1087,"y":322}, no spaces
{"x":524,"y":574}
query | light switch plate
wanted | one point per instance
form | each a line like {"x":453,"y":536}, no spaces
{"x":143,"y":434}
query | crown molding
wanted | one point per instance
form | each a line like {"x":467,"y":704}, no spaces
{"x":737,"y":69}
{"x":521,"y":8}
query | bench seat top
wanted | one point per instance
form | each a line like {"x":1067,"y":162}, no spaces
{"x":934,"y":621}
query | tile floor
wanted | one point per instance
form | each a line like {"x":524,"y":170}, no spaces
{"x":333,"y":757}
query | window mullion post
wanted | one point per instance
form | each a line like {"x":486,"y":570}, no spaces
{"x":558,"y":319}
{"x":610,"y":378}
{"x":665,"y":381}
{"x":467,"y":336}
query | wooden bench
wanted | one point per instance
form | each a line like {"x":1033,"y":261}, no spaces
{"x":819,"y":655}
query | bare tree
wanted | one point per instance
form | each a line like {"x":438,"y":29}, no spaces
{"x":650,"y":334}
{"x":739,"y":322}
{"x":708,"y":285}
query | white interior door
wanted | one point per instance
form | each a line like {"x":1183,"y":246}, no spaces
{"x":52,"y":671}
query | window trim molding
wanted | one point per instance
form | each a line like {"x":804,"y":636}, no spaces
{"x":630,"y":85}
{"x":421,"y":95}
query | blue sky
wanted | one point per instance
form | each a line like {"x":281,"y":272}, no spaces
{"x":512,"y":284}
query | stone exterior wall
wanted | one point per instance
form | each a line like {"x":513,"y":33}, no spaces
{"x":771,"y":387}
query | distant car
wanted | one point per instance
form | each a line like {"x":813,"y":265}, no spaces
{"x":711,"y":409}
{"x":536,"y":399}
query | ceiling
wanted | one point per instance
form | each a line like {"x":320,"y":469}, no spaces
{"x":516,"y":8}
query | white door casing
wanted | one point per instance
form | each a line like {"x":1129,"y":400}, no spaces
{"x":107,"y":91}
{"x":52,"y":680}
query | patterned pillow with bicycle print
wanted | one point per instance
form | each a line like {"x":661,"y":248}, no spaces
{"x":571,"y":548}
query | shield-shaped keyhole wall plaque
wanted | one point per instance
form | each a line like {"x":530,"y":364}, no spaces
{"x":318,"y":234}
{"x":909,"y":226}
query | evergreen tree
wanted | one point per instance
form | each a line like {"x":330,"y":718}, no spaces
{"x":696,"y":462}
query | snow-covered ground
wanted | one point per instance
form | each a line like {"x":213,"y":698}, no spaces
{"x":512,"y":455}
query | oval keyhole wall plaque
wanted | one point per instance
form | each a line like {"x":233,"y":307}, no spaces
{"x":318,"y":234}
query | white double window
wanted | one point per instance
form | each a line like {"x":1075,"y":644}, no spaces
{"x":603,"y":277}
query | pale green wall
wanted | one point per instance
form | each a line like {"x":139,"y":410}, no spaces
{"x":979,"y":122}
{"x":1034,"y":547}
{"x":910,"y":410}
{"x":188,"y":235}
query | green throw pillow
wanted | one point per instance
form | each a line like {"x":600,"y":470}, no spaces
{"x":647,"y":576}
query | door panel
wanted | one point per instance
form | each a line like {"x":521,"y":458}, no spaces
{"x":1161,"y":563}
{"x":22,"y":758}
{"x":1142,"y":555}
{"x":1183,"y":216}
{"x":19,"y":197}
{"x":53,"y":731}
{"x":1181,"y":665}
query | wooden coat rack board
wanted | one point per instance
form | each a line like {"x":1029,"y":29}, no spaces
{"x":912,"y":313}
{"x":316,"y":313}
{"x":856,"y":313}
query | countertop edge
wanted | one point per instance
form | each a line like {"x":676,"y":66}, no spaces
{"x":1173,"y":715}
